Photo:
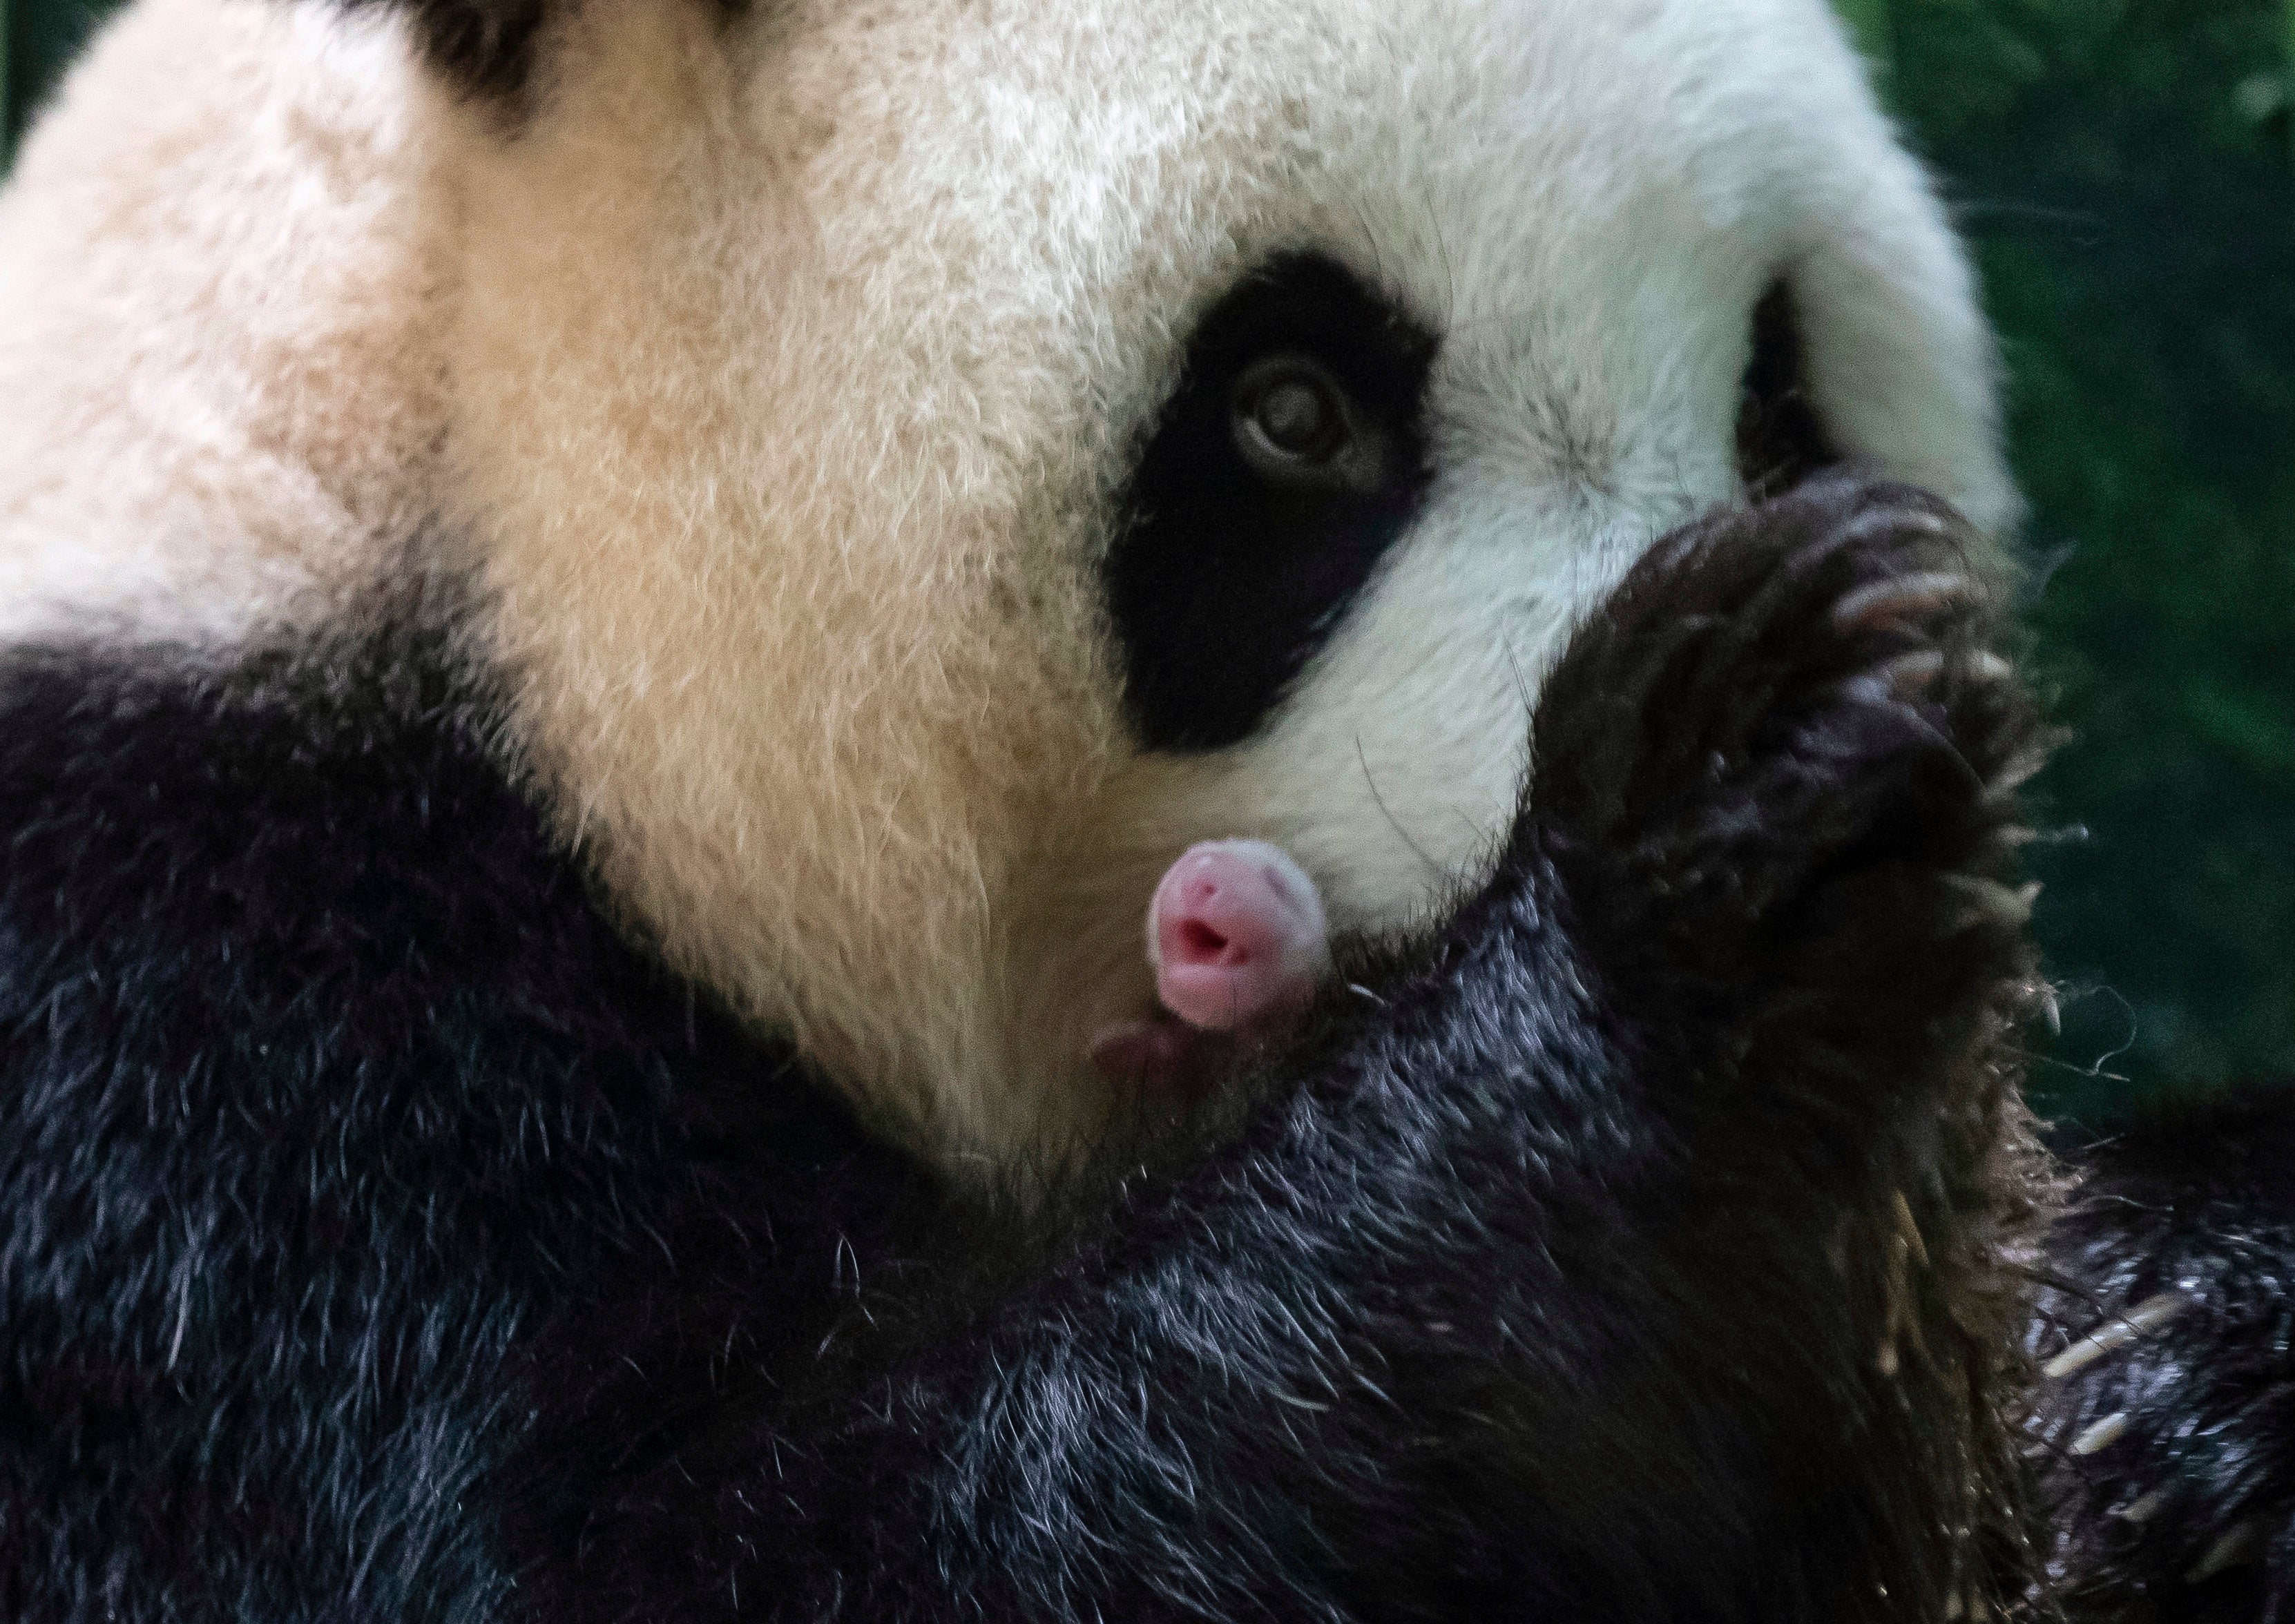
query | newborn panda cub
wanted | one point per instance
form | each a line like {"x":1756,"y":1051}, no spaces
{"x":1238,"y":938}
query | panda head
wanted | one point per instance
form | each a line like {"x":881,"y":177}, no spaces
{"x":930,"y":461}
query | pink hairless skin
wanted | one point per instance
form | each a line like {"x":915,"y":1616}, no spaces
{"x":1238,"y":941}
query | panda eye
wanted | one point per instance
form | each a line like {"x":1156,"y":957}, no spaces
{"x":1295,"y":425}
{"x":1291,"y":456}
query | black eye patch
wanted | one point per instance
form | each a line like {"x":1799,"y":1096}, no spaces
{"x":1781,"y":440}
{"x":1289,"y":459}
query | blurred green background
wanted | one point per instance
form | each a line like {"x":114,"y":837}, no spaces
{"x":2126,"y":170}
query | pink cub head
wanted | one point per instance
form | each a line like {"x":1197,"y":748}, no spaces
{"x":1238,"y":938}
{"x":1238,"y":941}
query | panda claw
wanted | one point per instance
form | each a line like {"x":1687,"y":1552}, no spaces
{"x":2101,"y":1435}
{"x":1887,"y":603}
{"x":2152,"y":1314}
{"x":1912,"y":674}
{"x":2146,"y":1507}
{"x":2238,"y":1546}
{"x":1988,"y":902}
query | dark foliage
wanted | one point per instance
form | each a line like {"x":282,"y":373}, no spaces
{"x":2124,"y":169}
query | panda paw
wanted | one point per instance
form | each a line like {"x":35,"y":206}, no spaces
{"x":1775,"y":776}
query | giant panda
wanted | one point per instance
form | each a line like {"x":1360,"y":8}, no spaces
{"x":612,"y":612}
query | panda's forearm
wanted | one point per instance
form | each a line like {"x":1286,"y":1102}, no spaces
{"x":1367,"y":1311}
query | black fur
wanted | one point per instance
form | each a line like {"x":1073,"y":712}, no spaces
{"x":389,"y":1240}
{"x":485,"y":48}
{"x":1781,"y":439}
{"x":319,"y":1078}
{"x":490,"y":49}
{"x":2167,"y":1435}
{"x":1221,"y":585}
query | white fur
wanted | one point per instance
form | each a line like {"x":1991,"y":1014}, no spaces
{"x":785,"y":375}
{"x":221,"y":261}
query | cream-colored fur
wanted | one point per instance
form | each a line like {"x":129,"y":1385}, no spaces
{"x":784,"y":374}
{"x":221,"y":260}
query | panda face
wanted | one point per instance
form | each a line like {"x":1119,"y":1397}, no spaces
{"x":930,"y":461}
{"x":938,"y":461}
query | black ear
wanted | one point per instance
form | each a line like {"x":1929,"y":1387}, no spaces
{"x":486,"y":47}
